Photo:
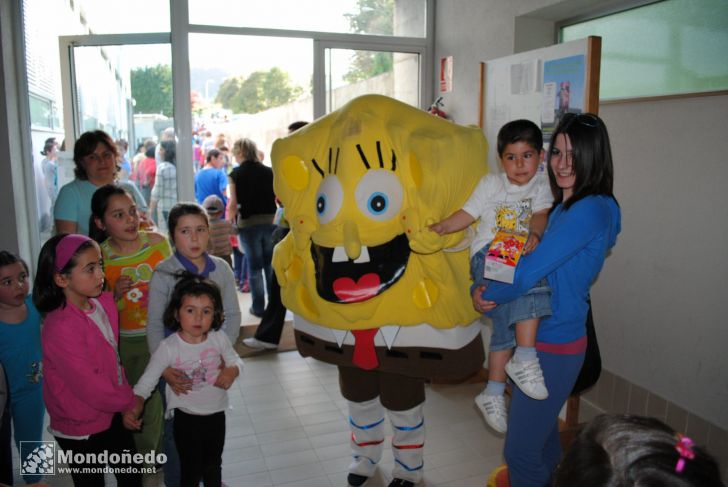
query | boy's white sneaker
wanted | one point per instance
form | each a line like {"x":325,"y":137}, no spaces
{"x":493,"y":409}
{"x":528,"y":377}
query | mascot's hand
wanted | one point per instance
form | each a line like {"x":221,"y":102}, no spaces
{"x":283,"y":254}
{"x":421,"y":239}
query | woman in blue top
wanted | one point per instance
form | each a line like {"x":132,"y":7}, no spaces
{"x":582,"y":228}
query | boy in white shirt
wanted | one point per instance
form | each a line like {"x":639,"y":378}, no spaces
{"x":517,"y":200}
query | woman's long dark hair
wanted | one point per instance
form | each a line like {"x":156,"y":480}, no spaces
{"x":591,"y":158}
{"x":170,"y":151}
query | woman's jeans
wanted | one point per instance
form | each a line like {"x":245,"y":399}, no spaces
{"x":257,"y":243}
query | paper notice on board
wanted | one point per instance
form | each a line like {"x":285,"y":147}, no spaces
{"x":499,"y":115}
{"x":547,"y":103}
{"x":524,"y":77}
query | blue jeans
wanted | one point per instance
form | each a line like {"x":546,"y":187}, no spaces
{"x":532,"y":449}
{"x":240,"y":266}
{"x":536,"y":303}
{"x":257,"y":243}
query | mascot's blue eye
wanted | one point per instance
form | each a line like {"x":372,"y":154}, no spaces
{"x":329,"y":198}
{"x":321,"y":204}
{"x":378,"y":203}
{"x":379,"y":195}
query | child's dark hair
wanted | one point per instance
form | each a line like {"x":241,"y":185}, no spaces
{"x":519,"y":131}
{"x":47,"y":296}
{"x":99,"y":204}
{"x":212,"y":153}
{"x":9,"y":258}
{"x":626,"y":451}
{"x":181,"y":209}
{"x":591,"y":157}
{"x":189,"y":284}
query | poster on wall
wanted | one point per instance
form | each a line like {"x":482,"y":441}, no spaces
{"x":446,"y":74}
{"x":563,"y":91}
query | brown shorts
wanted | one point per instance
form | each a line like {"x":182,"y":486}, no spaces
{"x":437,"y":364}
{"x":396,"y":392}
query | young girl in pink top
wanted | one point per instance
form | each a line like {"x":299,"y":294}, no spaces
{"x":84,"y":386}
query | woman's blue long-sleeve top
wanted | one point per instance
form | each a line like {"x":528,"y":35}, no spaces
{"x":571,"y":255}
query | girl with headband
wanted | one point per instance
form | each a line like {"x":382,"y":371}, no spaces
{"x":84,"y":386}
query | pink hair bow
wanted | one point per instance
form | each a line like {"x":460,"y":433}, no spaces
{"x":684,"y":447}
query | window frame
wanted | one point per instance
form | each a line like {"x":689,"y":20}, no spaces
{"x":606,"y":11}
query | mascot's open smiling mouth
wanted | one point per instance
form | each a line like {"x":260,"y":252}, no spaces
{"x":342,"y":280}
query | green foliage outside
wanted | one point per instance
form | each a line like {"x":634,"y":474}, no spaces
{"x":259,"y":91}
{"x":151,"y":88}
{"x":374,"y":17}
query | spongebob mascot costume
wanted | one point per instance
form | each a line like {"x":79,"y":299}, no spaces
{"x":372,"y":289}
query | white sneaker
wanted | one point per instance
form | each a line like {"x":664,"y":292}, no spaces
{"x":494,"y":411}
{"x":253,"y":342}
{"x":528,"y":377}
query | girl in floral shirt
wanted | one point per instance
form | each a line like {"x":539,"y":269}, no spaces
{"x":130,"y":257}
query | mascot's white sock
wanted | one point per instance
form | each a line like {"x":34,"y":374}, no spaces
{"x":408,"y":443}
{"x":366,"y":420}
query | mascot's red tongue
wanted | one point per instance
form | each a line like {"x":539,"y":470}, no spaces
{"x":349,"y":291}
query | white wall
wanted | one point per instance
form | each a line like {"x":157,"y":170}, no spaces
{"x":659,"y":303}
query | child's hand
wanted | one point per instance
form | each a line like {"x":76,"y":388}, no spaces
{"x":226,"y":378}
{"x":123,"y":285}
{"x":421,"y":239}
{"x":177,"y":380}
{"x":438,"y":228}
{"x":131,"y":421}
{"x":138,"y":406}
{"x":480,"y":304}
{"x":533,"y":240}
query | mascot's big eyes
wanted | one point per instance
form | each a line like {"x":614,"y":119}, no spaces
{"x":329,"y":198}
{"x":379,"y":195}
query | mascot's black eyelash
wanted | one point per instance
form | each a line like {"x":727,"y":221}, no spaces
{"x":361,"y":154}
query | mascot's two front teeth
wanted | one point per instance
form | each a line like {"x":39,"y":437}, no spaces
{"x":340,"y":255}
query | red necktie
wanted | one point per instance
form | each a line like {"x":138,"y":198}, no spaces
{"x":365,"y":356}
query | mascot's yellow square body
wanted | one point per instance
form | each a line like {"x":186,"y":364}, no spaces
{"x":359,"y":187}
{"x":374,"y":291}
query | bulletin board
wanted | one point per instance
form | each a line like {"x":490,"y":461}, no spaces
{"x":539,"y":85}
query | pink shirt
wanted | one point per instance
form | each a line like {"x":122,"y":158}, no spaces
{"x":82,"y":387}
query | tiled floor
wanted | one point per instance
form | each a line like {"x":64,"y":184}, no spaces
{"x":288,"y":427}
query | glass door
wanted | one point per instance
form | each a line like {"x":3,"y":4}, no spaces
{"x":122,"y":84}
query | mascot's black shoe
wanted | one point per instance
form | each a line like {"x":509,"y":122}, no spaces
{"x":356,"y":480}
{"x":401,"y":483}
